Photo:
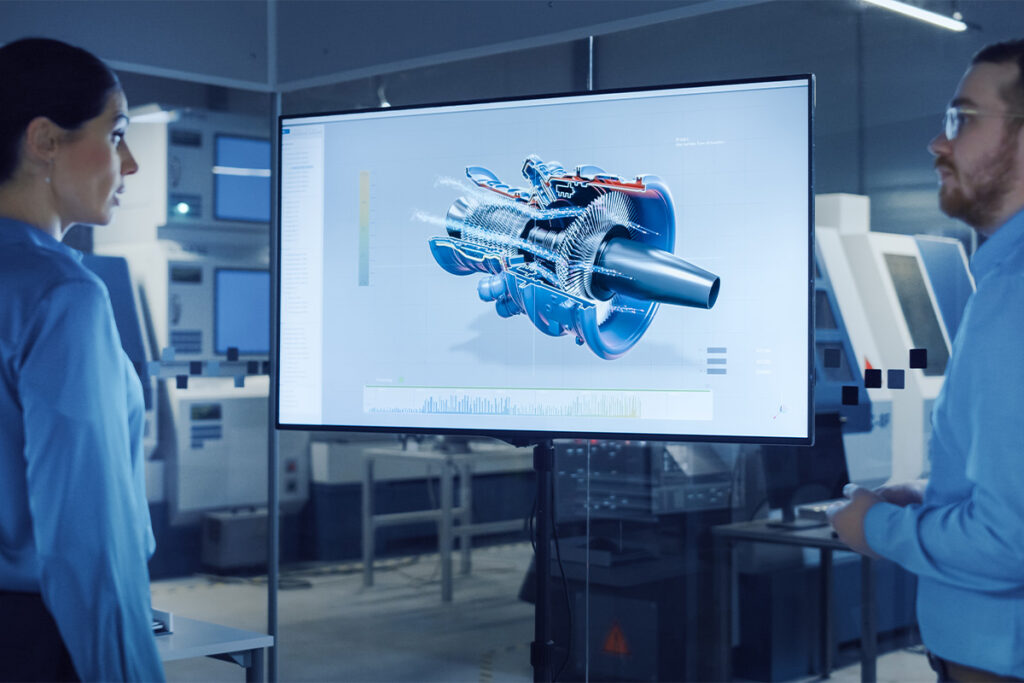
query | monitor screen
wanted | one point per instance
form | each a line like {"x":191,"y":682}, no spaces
{"x":242,"y":179}
{"x":615,"y":264}
{"x":242,"y":311}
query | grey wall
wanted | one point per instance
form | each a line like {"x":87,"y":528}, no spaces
{"x":369,"y":38}
{"x":550,"y":69}
{"x":217,"y":41}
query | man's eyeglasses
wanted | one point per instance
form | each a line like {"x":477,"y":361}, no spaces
{"x":956,"y":117}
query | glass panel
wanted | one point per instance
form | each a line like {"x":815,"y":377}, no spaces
{"x":648,"y":591}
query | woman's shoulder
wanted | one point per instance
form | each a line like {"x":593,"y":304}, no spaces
{"x":30,"y":273}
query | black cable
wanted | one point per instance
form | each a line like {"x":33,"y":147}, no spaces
{"x":565,"y":587}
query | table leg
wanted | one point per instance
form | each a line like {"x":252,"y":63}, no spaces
{"x":368,"y":532}
{"x":827,"y":635}
{"x":868,"y":635}
{"x":254,"y":672}
{"x":466,"y":518}
{"x":445,"y":530}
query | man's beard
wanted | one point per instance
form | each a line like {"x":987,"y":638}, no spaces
{"x":992,"y":181}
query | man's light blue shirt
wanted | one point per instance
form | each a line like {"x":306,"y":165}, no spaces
{"x":966,"y":541}
{"x":74,"y":521}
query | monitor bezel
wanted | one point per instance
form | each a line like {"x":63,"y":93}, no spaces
{"x":525,"y":437}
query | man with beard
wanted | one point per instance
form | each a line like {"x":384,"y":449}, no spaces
{"x":962,"y":532}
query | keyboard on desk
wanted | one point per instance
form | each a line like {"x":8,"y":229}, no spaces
{"x":818,"y":511}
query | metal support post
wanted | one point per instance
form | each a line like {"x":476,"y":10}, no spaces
{"x":368,"y":526}
{"x":466,"y":516}
{"x":541,"y":648}
{"x":827,"y":629}
{"x":445,"y":530}
{"x":723,"y":596}
{"x":868,"y":626}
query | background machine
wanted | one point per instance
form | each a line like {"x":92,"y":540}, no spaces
{"x":193,"y":231}
{"x":878,"y":297}
{"x":633,"y":516}
{"x":904,"y":296}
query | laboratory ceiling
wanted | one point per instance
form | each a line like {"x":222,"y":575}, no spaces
{"x":883,"y":79}
{"x":260,"y":44}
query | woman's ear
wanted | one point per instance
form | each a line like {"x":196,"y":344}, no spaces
{"x":42,"y":138}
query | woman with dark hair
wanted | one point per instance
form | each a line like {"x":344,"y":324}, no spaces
{"x":75,"y":533}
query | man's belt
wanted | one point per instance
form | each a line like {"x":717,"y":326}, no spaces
{"x":960,"y":673}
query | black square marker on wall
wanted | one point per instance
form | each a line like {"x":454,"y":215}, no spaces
{"x":850,"y":397}
{"x":918,"y":358}
{"x":832,"y":359}
{"x":181,"y":381}
{"x":195,"y":367}
{"x":895,"y":380}
{"x":872,"y":379}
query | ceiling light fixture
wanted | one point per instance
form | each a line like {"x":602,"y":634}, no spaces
{"x":922,"y":14}
{"x":153,"y":113}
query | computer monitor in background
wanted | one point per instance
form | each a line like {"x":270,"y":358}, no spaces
{"x":241,"y":187}
{"x":242,"y":311}
{"x":617,"y":264}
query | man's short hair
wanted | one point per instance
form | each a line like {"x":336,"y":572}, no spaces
{"x":1000,"y":53}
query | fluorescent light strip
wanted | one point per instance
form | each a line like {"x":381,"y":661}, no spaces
{"x":250,"y":172}
{"x":922,"y":14}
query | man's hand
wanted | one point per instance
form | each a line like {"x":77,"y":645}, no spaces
{"x":909,"y":493}
{"x":848,"y":518}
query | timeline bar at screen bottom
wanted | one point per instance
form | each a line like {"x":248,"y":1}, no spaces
{"x":695,"y":404}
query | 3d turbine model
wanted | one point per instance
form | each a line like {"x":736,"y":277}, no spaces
{"x":586,"y":253}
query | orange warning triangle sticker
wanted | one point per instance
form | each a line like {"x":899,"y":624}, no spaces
{"x":615,"y":642}
{"x":867,"y":364}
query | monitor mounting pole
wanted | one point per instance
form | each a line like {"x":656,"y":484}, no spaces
{"x":542,"y":647}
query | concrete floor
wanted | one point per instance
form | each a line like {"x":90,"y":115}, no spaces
{"x":333,"y":629}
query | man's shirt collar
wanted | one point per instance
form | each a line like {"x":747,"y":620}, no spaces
{"x":995,"y":249}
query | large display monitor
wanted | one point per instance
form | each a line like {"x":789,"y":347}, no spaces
{"x":614,"y":264}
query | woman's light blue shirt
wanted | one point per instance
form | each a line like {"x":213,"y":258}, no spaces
{"x":74,"y":521}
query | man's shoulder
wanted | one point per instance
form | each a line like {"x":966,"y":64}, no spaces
{"x":999,"y":300}
{"x":1010,"y":269}
{"x":1013,"y":257}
